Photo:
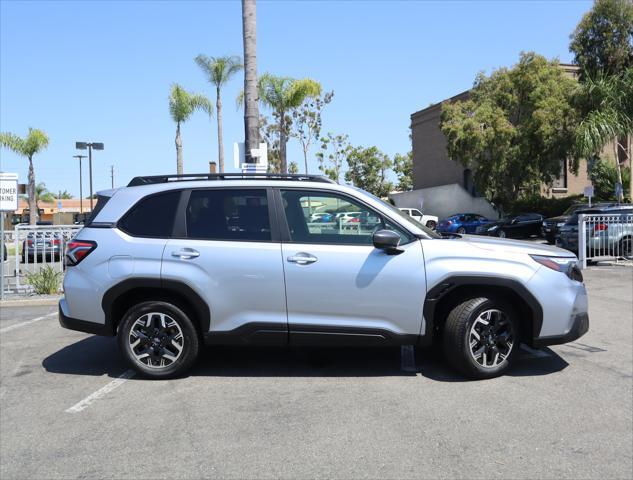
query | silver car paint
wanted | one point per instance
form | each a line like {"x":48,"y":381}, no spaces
{"x":244,"y":281}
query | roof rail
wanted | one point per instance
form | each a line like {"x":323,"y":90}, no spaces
{"x":136,"y":181}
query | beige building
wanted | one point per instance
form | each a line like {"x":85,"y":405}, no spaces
{"x":432,"y":168}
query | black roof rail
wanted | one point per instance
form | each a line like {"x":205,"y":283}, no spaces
{"x":153,"y":179}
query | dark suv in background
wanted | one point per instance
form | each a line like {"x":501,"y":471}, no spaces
{"x":552,"y":225}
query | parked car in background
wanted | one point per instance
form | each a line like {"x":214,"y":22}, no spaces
{"x":429,"y":221}
{"x":514,"y":226}
{"x":609,"y":234}
{"x":552,"y":225}
{"x":462,"y":223}
{"x":39,"y":246}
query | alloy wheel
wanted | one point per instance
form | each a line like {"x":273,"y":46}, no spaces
{"x":156,"y":340}
{"x":491,"y":338}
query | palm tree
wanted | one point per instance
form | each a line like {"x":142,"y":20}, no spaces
{"x":251,"y":101}
{"x":181,"y":105}
{"x":608,"y":104}
{"x":33,"y":143}
{"x":282,"y":94}
{"x":219,"y":70}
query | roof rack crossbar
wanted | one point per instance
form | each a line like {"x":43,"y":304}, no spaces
{"x":153,"y":179}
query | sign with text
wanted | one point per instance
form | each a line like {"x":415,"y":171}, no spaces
{"x":8,"y":192}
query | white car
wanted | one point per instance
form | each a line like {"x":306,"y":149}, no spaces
{"x":427,"y":220}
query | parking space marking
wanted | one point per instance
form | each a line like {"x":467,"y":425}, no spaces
{"x":24,"y":324}
{"x":535,"y":353}
{"x":93,"y":397}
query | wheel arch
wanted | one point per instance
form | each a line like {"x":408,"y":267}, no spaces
{"x":446,"y":294}
{"x":120,"y":297}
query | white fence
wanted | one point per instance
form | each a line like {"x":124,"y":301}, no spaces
{"x":37,"y":246}
{"x":605,"y":236}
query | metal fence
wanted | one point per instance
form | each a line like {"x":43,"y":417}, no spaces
{"x":34,"y":247}
{"x":605,"y":237}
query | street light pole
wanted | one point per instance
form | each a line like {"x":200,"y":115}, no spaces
{"x":81,"y":194}
{"x":89,"y":146}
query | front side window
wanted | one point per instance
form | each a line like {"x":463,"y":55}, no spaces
{"x":226,"y":214}
{"x":152,"y":217}
{"x":344,"y":221}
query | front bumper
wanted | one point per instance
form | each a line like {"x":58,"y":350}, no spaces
{"x":82,"y":325}
{"x":580,"y":326}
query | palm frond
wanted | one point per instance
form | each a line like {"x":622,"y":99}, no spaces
{"x":12,"y":142}
{"x":219,"y":70}
{"x":183,"y":103}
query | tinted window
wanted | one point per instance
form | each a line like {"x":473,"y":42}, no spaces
{"x":347,"y":222}
{"x":416,"y":212}
{"x":223,"y":214}
{"x":152,"y":217}
{"x":101,"y":202}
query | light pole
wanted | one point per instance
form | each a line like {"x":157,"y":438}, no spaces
{"x":89,"y":146}
{"x":81,"y":195}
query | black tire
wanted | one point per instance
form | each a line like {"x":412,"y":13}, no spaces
{"x":461,"y":230}
{"x":626,"y":247}
{"x":501,"y":234}
{"x":190,"y":340}
{"x":431,"y":224}
{"x":457,"y":336}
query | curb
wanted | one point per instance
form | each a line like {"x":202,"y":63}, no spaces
{"x":31,"y":302}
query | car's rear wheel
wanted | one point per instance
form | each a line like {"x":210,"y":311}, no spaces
{"x":461,"y":230}
{"x":431,"y":224}
{"x":626,"y":247}
{"x":501,"y":234}
{"x":481,"y":337}
{"x":158,"y":340}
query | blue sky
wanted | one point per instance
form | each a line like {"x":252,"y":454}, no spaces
{"x":101,"y":71}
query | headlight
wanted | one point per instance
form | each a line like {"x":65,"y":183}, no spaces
{"x":560,"y":224}
{"x":494,"y":227}
{"x":566,"y":265}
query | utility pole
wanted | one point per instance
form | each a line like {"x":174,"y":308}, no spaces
{"x":112,"y":175}
{"x":81,"y":194}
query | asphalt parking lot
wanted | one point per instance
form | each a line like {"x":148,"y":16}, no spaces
{"x":69,"y":408}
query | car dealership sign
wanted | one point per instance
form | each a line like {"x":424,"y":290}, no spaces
{"x":8,"y":192}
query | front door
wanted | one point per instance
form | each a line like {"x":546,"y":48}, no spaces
{"x":339,"y":288}
{"x":227,"y":253}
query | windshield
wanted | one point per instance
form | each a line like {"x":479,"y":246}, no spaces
{"x":403,"y":215}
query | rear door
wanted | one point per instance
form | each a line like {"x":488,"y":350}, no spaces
{"x":339,"y":288}
{"x":226,"y":248}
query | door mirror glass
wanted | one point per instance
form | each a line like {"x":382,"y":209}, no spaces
{"x":386,"y":240}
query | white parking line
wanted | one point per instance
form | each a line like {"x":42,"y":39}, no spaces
{"x":24,"y":324}
{"x":535,"y":353}
{"x":93,"y":397}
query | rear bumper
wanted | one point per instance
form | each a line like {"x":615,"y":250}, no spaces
{"x":580,"y":326}
{"x":82,"y":325}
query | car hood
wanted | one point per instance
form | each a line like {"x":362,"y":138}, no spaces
{"x":560,"y":218}
{"x":515,"y":246}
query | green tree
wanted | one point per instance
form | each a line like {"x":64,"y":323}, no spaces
{"x":282,"y":95}
{"x":306,"y":125}
{"x":334,"y":150}
{"x":219,"y":71}
{"x":33,"y":143}
{"x":293,"y":167}
{"x":182,"y":104}
{"x":403,"y":168}
{"x":607,"y":104}
{"x":515,"y":129}
{"x":268,"y":133}
{"x":367,"y":169}
{"x":65,"y":195}
{"x":604,"y":175}
{"x":601,"y":43}
{"x":251,"y":106}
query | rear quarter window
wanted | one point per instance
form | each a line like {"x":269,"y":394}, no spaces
{"x":152,"y":216}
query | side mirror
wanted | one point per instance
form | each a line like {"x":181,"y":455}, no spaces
{"x":387,"y":240}
{"x":514,"y":221}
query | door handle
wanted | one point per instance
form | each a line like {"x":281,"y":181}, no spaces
{"x":302,"y":259}
{"x":186,"y":253}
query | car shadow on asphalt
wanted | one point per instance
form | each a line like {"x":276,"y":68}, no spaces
{"x":97,"y":356}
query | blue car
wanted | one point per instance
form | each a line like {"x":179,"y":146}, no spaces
{"x":462,"y":223}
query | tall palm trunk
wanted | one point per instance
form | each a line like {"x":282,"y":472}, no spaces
{"x":178,"y":150}
{"x":251,"y":96}
{"x":283,"y":139}
{"x":619,"y":169}
{"x":218,"y":106}
{"x":33,"y":210}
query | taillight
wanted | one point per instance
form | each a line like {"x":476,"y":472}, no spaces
{"x":30,"y":243}
{"x":77,"y":250}
{"x":600,"y":227}
{"x":449,"y":222}
{"x":56,"y":241}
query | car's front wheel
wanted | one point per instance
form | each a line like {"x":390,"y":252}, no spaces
{"x":461,"y":230}
{"x":501,"y":234}
{"x":158,"y":340}
{"x":481,"y":337}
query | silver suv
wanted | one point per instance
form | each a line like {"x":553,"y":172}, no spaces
{"x":173,"y":262}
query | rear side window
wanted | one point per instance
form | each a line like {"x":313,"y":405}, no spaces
{"x":101,"y":202}
{"x":152,"y":217}
{"x":227,"y":214}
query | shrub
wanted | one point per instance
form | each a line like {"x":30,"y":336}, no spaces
{"x":45,"y":281}
{"x":549,"y":207}
{"x":604,"y":175}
